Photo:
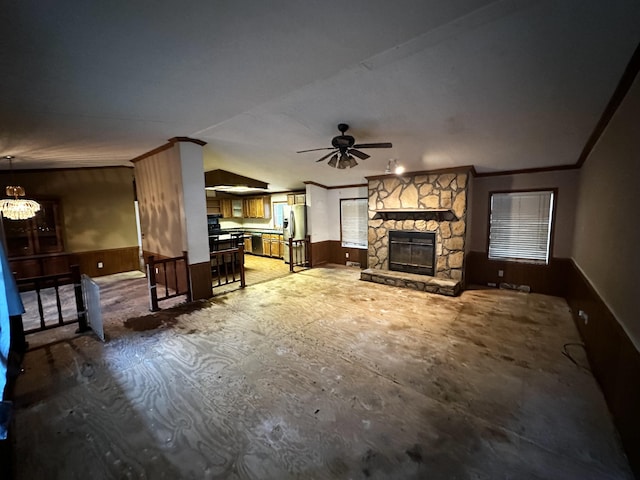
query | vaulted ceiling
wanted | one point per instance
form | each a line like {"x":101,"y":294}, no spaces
{"x":500,"y":85}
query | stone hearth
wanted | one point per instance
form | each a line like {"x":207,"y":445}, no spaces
{"x":420,"y":202}
{"x":423,"y":283}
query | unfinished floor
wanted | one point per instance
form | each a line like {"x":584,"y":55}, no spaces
{"x":319,"y":375}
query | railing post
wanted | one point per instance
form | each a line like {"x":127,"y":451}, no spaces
{"x":307,"y":246}
{"x":151,"y":278}
{"x":40,"y":307}
{"x":77,"y":287}
{"x":188,"y":272}
{"x":290,"y":254}
{"x":241,"y":257}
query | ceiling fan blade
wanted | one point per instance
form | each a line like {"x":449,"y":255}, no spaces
{"x":326,"y":156}
{"x":316,"y":149}
{"x":373,"y":145}
{"x":359,"y":154}
{"x":333,"y":161}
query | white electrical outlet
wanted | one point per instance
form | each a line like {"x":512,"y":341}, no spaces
{"x":501,"y":273}
{"x":583,"y":315}
{"x":346,"y":254}
{"x":157,"y":270}
{"x":100,"y":265}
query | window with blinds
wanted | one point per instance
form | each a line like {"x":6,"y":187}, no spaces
{"x":354,"y":217}
{"x":520,"y":226}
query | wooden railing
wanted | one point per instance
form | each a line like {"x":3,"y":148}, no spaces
{"x":175,"y":284}
{"x":299,"y":253}
{"x":227,"y":266}
{"x":38,"y":284}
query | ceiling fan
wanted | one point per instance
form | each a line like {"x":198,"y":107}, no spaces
{"x":344,"y":149}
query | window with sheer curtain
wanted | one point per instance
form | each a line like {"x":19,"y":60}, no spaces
{"x":520,"y":226}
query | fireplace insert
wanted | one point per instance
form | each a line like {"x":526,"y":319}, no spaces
{"x":412,"y":252}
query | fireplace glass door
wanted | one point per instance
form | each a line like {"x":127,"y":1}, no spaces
{"x":412,"y":252}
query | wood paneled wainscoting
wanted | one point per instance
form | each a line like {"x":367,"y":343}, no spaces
{"x":614,"y":359}
{"x":113,"y":260}
{"x":548,"y":279}
{"x":332,"y":251}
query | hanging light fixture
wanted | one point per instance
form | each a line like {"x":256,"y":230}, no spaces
{"x":394,"y":167}
{"x":17,"y":208}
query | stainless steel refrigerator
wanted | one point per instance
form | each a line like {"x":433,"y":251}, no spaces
{"x":295,"y":227}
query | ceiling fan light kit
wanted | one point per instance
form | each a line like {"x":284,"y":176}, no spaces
{"x":344,"y":148}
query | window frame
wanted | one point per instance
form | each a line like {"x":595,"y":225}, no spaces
{"x":366,"y":239}
{"x":554,"y":206}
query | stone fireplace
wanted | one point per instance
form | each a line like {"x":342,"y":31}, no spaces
{"x":431,"y":203}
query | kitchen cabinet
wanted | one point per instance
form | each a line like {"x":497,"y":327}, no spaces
{"x":39,"y":235}
{"x":266,"y":244}
{"x":231,"y":208}
{"x":280,"y":246}
{"x":213,"y":206}
{"x":225,"y":207}
{"x":256,"y":207}
{"x":236,"y":208}
{"x":248,"y":247}
{"x":273,"y":245}
{"x":296,"y":199}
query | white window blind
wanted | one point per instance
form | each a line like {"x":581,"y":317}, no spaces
{"x":353,"y":221}
{"x":278,"y":214}
{"x":520,"y":226}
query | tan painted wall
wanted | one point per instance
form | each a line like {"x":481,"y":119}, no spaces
{"x":97,"y":204}
{"x":160,"y":200}
{"x":607,"y":234}
{"x":566,"y":181}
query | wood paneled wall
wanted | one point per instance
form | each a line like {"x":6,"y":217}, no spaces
{"x":168,"y":274}
{"x":548,"y":279}
{"x":320,"y":253}
{"x":614,"y":359}
{"x":115,"y":260}
{"x":332,"y":251}
{"x":200,"y":279}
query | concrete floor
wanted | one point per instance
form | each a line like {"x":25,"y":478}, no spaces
{"x":319,"y":375}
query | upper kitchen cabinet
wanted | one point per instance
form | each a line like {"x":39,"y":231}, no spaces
{"x":39,"y":235}
{"x":225,"y":206}
{"x":257,"y":207}
{"x":296,"y":199}
{"x":213,"y":206}
{"x":231,"y":208}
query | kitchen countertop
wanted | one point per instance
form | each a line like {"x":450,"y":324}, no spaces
{"x":226,"y":234}
{"x":252,"y":230}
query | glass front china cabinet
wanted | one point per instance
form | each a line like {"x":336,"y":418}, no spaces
{"x":39,"y":235}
